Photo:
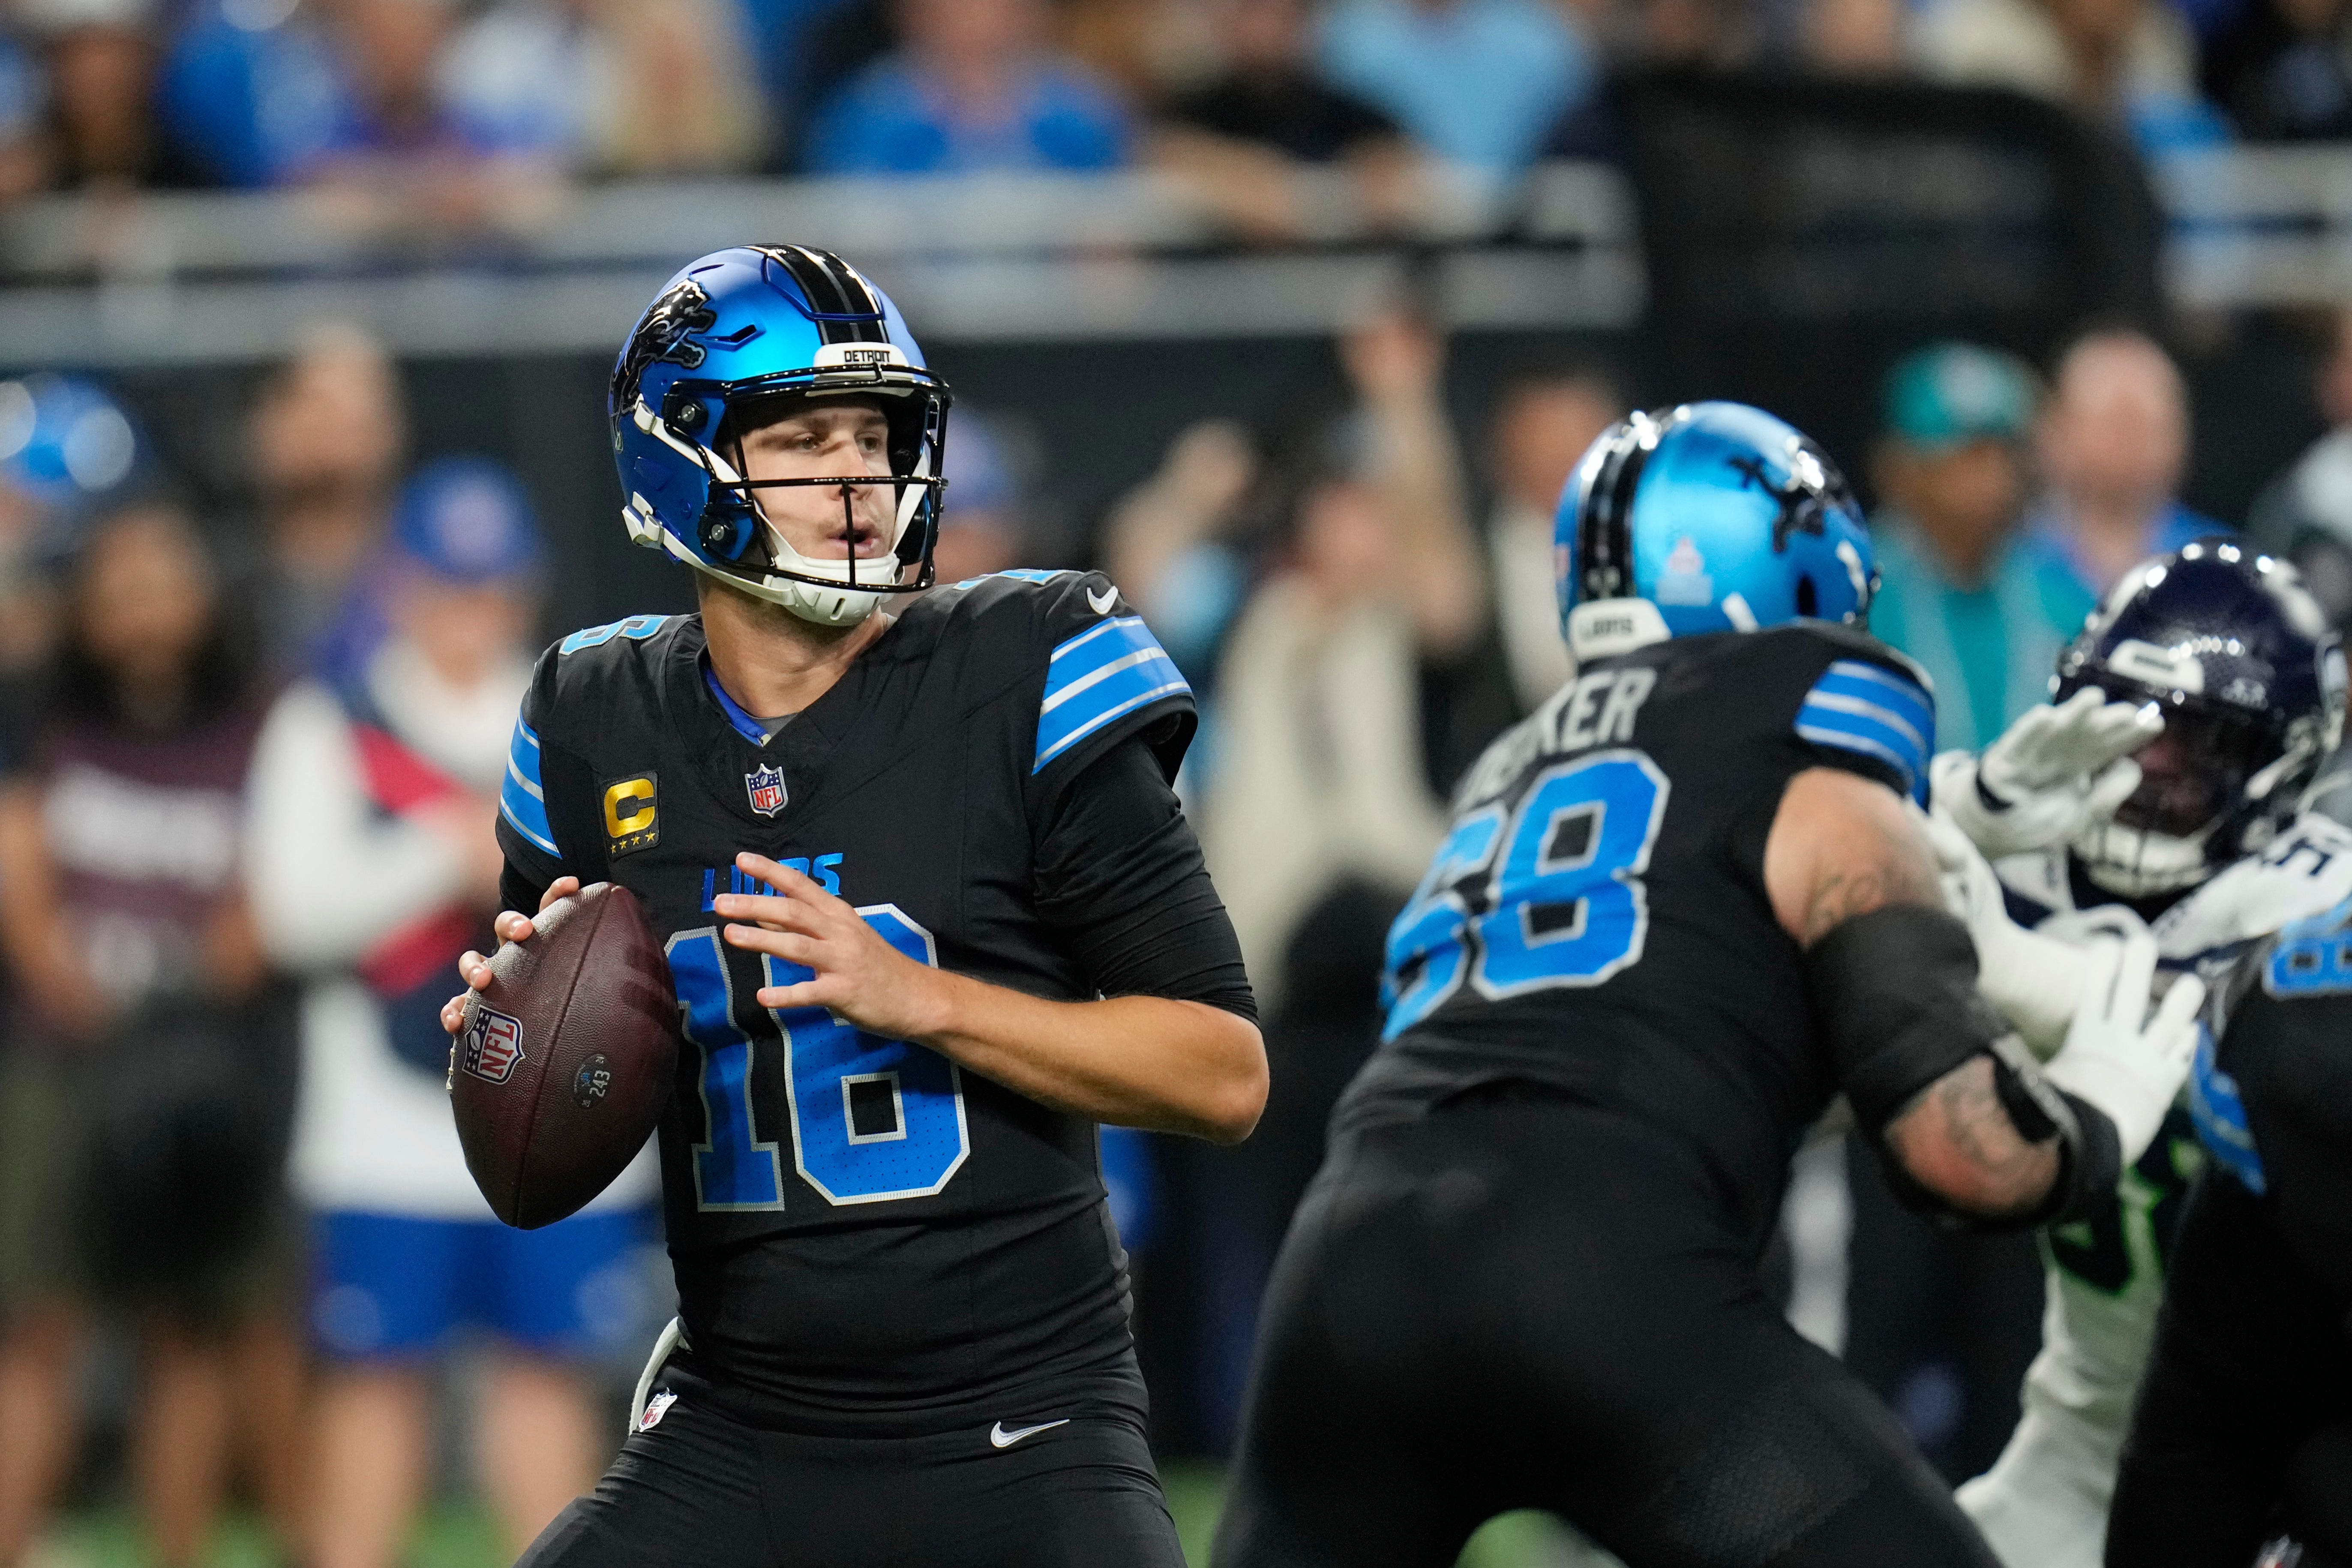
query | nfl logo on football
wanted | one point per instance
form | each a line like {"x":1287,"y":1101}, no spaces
{"x":767,"y":787}
{"x":491,"y":1045}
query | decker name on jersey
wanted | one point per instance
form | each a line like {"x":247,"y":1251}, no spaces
{"x":867,"y":1237}
{"x":1596,"y":919}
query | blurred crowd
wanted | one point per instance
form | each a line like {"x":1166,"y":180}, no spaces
{"x":458,"y":105}
{"x":247,"y":750}
{"x":1364,"y":603}
{"x":247,"y":770}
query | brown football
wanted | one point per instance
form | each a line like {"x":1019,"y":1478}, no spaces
{"x":563,"y":1065}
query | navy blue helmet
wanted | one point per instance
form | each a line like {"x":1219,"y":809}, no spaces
{"x":1710,"y":517}
{"x":2250,"y":678}
{"x":752,"y":324}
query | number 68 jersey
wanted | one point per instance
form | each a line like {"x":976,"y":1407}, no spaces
{"x":866,"y":1239}
{"x":1596,"y":920}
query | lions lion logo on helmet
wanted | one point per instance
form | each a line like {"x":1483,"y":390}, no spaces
{"x":661,"y":334}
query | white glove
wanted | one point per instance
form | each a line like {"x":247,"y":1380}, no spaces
{"x":2034,"y":981}
{"x":2058,"y":768}
{"x":2120,"y":1058}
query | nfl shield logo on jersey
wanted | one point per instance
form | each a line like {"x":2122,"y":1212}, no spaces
{"x":767,"y":787}
{"x":490,"y":1045}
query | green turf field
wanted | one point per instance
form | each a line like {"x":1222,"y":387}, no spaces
{"x":459,"y":1535}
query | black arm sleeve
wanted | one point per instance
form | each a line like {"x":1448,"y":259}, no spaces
{"x":2247,"y":1366}
{"x":1121,"y":880}
{"x":1895,"y":991}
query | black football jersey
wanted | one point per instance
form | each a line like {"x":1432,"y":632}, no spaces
{"x":866,"y":1236}
{"x":1596,"y":919}
{"x":2271,"y":1090}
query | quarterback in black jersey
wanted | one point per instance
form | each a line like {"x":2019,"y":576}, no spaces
{"x":2242,"y":1432}
{"x":932,"y":913}
{"x":1680,"y":908}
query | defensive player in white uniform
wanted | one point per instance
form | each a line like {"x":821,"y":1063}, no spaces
{"x":2166,"y":783}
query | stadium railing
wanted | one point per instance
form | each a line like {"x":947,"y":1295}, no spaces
{"x":175,"y":277}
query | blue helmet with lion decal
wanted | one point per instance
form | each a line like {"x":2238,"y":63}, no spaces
{"x":1708,"y":517}
{"x":753,"y":324}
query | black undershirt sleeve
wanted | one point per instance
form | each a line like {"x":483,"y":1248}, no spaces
{"x":1121,"y":881}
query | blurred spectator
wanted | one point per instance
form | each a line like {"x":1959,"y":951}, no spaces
{"x":145,"y":1077}
{"x":24,"y":156}
{"x":1242,"y":136}
{"x":2282,"y":70}
{"x":2131,"y":60}
{"x":349,"y":95}
{"x":794,"y":51}
{"x":2114,"y":442}
{"x":1476,"y":81}
{"x":973,"y":88}
{"x":67,"y":449}
{"x":1321,"y":812}
{"x":1168,"y":546}
{"x":1542,"y":428}
{"x":1145,"y":48}
{"x":326,"y":437}
{"x":1854,"y":38}
{"x":2305,"y":514}
{"x":1984,"y":604}
{"x":375,"y":866}
{"x":623,"y":87}
{"x":100,"y":57}
{"x":983,"y":522}
{"x":267,"y":94}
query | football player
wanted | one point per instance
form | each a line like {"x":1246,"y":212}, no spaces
{"x":1680,"y":907}
{"x":932,"y":913}
{"x":2243,"y":1425}
{"x":2165,"y":783}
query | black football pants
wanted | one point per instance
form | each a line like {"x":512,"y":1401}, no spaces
{"x":1536,"y":1304}
{"x":701,"y":1490}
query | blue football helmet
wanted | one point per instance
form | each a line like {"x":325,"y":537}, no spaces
{"x":1710,"y":517}
{"x":756,"y":323}
{"x":2250,"y":677}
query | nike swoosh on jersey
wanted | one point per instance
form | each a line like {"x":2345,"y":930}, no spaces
{"x":1103,"y":602}
{"x":1000,"y":1438}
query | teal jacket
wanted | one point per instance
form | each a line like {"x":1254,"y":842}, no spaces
{"x":1990,"y":650}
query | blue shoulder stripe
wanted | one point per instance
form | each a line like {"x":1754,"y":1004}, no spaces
{"x":1866,"y":709}
{"x":522,"y":801}
{"x":1103,"y":674}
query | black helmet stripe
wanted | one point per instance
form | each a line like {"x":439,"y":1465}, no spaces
{"x":844,"y":305}
{"x":857,"y":296}
{"x":1604,"y":545}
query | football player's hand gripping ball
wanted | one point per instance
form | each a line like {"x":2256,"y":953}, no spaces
{"x":511,"y":926}
{"x":2058,"y":769}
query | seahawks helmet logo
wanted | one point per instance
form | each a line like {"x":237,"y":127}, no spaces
{"x":661,"y":334}
{"x":1813,"y":488}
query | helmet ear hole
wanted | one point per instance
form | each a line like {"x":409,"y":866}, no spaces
{"x":1809,"y":602}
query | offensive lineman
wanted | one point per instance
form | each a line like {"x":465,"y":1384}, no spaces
{"x":898,"y":861}
{"x":1680,"y":907}
{"x":2218,"y":675}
